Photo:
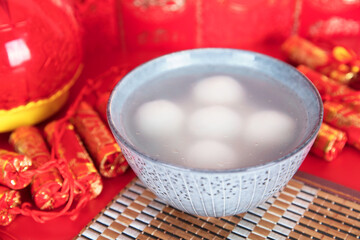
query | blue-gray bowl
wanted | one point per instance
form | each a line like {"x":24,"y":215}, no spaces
{"x":215,"y":192}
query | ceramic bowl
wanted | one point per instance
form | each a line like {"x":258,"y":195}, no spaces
{"x":215,"y":192}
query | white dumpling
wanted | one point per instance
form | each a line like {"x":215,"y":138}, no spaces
{"x":218,"y":89}
{"x":210,"y":154}
{"x":269,"y":127}
{"x":215,"y":122}
{"x":159,"y":118}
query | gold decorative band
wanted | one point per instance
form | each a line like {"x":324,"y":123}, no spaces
{"x":36,"y":111}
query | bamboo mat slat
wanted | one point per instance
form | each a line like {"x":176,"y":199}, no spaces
{"x":299,"y":211}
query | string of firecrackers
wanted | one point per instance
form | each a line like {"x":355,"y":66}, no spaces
{"x":336,"y":75}
{"x":63,"y":177}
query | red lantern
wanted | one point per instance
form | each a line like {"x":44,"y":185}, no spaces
{"x":40,"y":59}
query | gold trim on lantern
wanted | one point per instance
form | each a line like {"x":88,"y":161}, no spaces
{"x":36,"y":111}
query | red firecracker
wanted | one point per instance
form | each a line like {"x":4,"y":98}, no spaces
{"x":99,"y":141}
{"x":46,"y":187}
{"x":79,"y":162}
{"x":339,"y":63}
{"x":14,"y":169}
{"x":329,"y":142}
{"x":345,"y":118}
{"x":325,"y":85}
{"x":8,"y":199}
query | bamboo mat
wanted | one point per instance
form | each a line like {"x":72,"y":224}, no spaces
{"x":299,"y":211}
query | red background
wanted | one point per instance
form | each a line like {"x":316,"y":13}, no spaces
{"x":122,"y":33}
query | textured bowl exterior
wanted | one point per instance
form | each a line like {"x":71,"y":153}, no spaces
{"x":210,"y":192}
{"x":214,"y":194}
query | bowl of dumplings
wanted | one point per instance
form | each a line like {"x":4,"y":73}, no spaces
{"x":215,"y":131}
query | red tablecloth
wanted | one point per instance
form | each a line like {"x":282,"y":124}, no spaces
{"x":344,"y":170}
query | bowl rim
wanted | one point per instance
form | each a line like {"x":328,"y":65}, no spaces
{"x":256,"y":167}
